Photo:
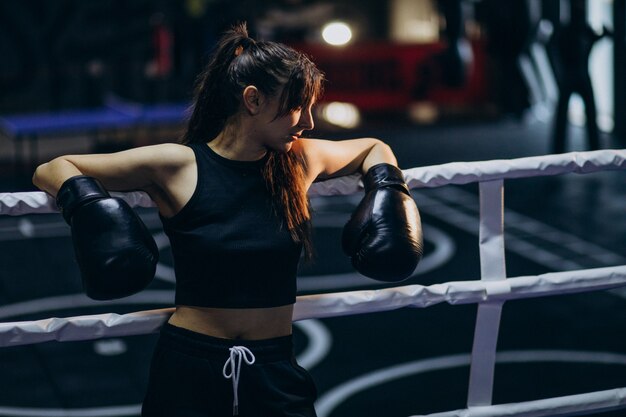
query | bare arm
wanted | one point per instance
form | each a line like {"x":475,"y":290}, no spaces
{"x":156,"y":170}
{"x":327,"y":159}
{"x":383,"y":237}
{"x":134,"y":169}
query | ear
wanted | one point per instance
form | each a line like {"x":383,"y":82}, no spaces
{"x":252,"y":99}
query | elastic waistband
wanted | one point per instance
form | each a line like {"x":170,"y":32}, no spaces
{"x":205,"y":346}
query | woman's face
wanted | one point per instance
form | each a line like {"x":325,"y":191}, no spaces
{"x":280,"y":133}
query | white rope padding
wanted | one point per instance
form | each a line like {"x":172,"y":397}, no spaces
{"x":38,"y":202}
{"x":87,"y":327}
{"x":15,"y":204}
{"x":490,"y":292}
{"x":331,"y":305}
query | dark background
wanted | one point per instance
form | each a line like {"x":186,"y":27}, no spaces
{"x":79,"y":55}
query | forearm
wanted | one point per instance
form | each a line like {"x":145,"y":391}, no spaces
{"x":50,"y":176}
{"x":379,"y":153}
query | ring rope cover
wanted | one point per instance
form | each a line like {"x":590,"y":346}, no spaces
{"x":492,"y":290}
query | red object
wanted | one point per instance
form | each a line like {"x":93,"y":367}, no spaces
{"x":163,"y":39}
{"x":385,"y":76}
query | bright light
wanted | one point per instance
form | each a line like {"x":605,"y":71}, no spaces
{"x":423,"y":113}
{"x":344,"y":115}
{"x":337,"y":33}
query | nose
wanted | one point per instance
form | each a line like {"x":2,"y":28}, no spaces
{"x":306,"y":120}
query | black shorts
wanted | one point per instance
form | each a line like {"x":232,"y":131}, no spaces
{"x":186,"y":378}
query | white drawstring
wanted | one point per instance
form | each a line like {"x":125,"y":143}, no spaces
{"x":237,"y":354}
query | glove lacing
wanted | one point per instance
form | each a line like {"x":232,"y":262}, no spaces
{"x":238,"y":354}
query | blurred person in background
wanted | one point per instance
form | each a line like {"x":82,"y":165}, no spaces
{"x":569,"y":49}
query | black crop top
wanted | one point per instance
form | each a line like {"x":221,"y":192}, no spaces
{"x":230,"y":248}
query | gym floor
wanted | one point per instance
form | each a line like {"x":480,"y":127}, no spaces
{"x":551,"y":346}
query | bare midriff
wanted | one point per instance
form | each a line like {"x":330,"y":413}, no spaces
{"x":235,"y":323}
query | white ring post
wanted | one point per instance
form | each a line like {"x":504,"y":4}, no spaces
{"x":492,"y":268}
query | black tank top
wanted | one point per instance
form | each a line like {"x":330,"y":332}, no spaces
{"x":230,"y":248}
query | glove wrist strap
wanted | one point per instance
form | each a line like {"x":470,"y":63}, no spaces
{"x":77,"y":191}
{"x":384,"y":175}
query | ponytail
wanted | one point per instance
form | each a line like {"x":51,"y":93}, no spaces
{"x":213,"y":104}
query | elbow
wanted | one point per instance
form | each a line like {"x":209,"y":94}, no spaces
{"x":39,"y":175}
{"x":379,"y":143}
{"x":49,"y":176}
{"x":388,"y":152}
{"x":384,"y":149}
{"x":45,"y":171}
{"x":379,"y":153}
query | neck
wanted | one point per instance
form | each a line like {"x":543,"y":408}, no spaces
{"x":234,"y":143}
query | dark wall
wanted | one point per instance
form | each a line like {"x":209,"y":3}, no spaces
{"x":72,"y":53}
{"x":64,"y":54}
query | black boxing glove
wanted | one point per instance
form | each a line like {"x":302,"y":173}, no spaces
{"x":383,"y":237}
{"x":116,"y":253}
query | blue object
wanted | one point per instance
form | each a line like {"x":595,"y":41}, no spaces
{"x":121,"y":115}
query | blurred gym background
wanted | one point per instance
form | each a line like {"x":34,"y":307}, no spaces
{"x":103,"y":75}
{"x":439,"y":80}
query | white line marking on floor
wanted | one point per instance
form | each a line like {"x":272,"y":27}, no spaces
{"x":320,"y":341}
{"x":331,"y":399}
{"x":444,"y":204}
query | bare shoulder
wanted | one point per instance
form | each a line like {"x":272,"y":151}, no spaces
{"x":310,"y":150}
{"x":305,"y":147}
{"x":174,"y":175}
{"x":169,"y":155}
{"x":165,"y":160}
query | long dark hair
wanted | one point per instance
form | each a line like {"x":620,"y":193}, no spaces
{"x":239,"y":61}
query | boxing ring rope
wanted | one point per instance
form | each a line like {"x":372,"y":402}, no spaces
{"x":490,"y":292}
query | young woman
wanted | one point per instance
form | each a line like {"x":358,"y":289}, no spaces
{"x":233,"y":202}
